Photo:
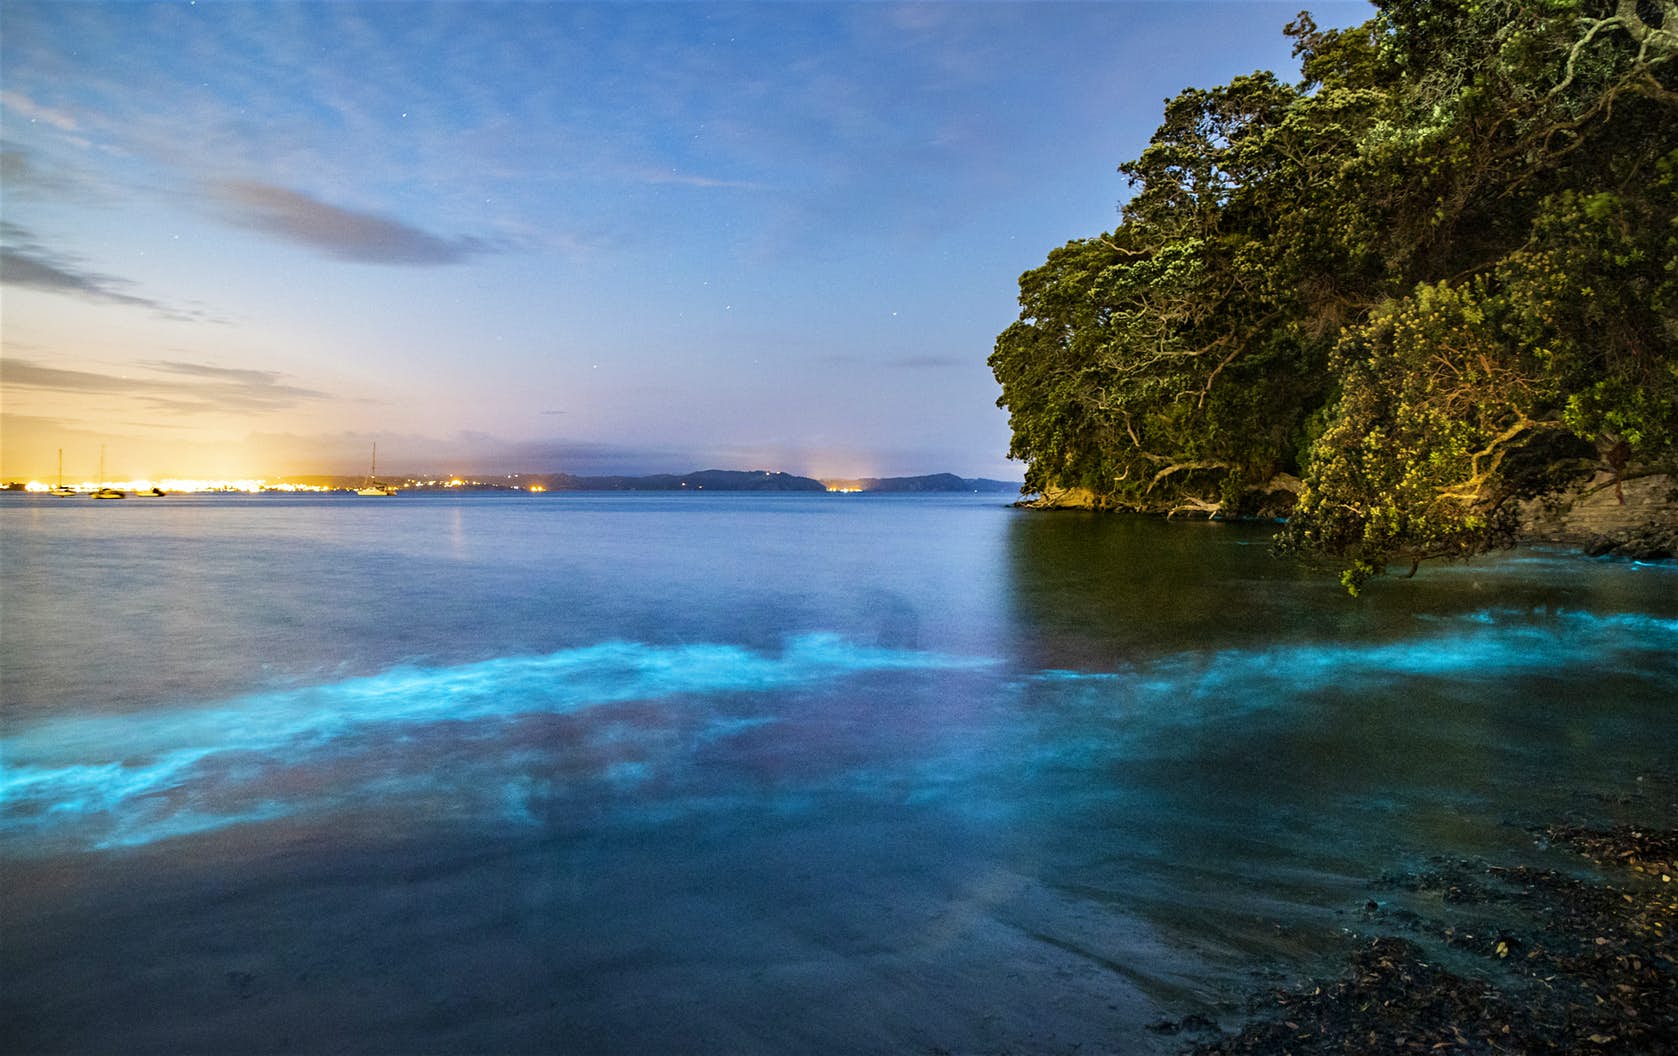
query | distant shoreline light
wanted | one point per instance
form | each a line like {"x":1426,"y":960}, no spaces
{"x":179,"y":487}
{"x":252,"y":486}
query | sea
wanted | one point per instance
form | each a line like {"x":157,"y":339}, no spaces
{"x":741,"y":773}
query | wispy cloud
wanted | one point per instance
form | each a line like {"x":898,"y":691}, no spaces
{"x":24,"y":262}
{"x":24,"y":374}
{"x":30,"y":110}
{"x":267,"y":379}
{"x":921,"y":362}
{"x":20,"y":267}
{"x":673,"y":177}
{"x":344,"y":234}
{"x":208,"y":388}
{"x":469,"y":452}
{"x":18,"y":170}
{"x":929,"y":362}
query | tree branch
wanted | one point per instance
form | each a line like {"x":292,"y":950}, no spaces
{"x":1659,"y":38}
{"x":1184,"y":467}
{"x":1195,"y":505}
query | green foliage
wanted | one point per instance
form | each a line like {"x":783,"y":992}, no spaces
{"x":1411,"y":279}
{"x":1428,"y":411}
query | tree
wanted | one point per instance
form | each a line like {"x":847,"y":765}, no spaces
{"x":1434,"y":277}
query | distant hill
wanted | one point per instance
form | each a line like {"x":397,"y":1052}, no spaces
{"x":931,"y":482}
{"x":699,"y":480}
{"x":704,"y":479}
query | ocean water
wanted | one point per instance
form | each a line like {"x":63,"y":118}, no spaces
{"x":751,"y":774}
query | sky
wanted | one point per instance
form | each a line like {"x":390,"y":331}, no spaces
{"x":254,"y":239}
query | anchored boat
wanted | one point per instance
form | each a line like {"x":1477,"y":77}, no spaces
{"x":372,"y":487}
{"x":61,"y":491}
{"x":105,"y":491}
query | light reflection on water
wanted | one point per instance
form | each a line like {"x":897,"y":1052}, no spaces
{"x":753,"y":773}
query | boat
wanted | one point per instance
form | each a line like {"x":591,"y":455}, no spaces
{"x":153,"y":492}
{"x":105,"y":491}
{"x":61,"y":491}
{"x":373,"y":488}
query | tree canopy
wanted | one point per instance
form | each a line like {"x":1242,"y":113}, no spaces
{"x":1437,"y":275}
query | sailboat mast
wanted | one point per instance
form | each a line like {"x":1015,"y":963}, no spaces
{"x":373,"y":466}
{"x":61,"y":467}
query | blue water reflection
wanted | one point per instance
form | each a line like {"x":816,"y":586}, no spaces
{"x":751,"y":774}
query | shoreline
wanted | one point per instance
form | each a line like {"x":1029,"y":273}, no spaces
{"x":1478,"y":956}
{"x":1634,"y":517}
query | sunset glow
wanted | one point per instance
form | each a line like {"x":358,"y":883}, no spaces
{"x":174,"y":485}
{"x":250,"y":240}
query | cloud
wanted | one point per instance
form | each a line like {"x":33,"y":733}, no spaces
{"x":19,"y":267}
{"x":28,"y":173}
{"x":929,"y":362}
{"x":851,"y":359}
{"x":210,"y":388}
{"x":25,"y":263}
{"x":680,"y":179}
{"x":33,"y":111}
{"x":257,"y":378}
{"x":14,"y":422}
{"x":18,"y":170}
{"x":340,"y":233}
{"x":23,"y":374}
{"x":469,"y":453}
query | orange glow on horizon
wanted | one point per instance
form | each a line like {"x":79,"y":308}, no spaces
{"x":179,"y":486}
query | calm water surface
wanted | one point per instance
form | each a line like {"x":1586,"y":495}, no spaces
{"x":749,"y":774}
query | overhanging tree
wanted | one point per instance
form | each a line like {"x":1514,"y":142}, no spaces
{"x":1431,"y":278}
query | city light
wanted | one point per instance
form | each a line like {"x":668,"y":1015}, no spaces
{"x":176,"y":486}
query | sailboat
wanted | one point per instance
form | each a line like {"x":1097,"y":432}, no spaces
{"x":105,"y":491}
{"x":373,"y":487}
{"x":61,"y":491}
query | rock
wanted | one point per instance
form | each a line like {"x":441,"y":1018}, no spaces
{"x":1643,"y":550}
{"x":1599,"y":546}
{"x":1634,"y":517}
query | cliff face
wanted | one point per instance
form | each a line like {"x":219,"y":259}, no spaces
{"x":1639,"y":518}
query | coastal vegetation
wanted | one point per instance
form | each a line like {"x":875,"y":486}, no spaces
{"x":1431,"y":280}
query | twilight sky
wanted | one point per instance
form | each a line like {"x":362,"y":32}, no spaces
{"x":250,"y":239}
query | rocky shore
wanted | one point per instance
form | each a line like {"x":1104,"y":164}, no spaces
{"x":1634,"y":516}
{"x":1474,"y":957}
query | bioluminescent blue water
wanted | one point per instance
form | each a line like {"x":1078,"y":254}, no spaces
{"x":741,"y":773}
{"x":133,"y":778}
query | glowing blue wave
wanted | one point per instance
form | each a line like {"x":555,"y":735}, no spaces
{"x":1485,"y":644}
{"x":450,"y":739}
{"x":1460,"y":657}
{"x":133,"y":778}
{"x":1481,"y":645}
